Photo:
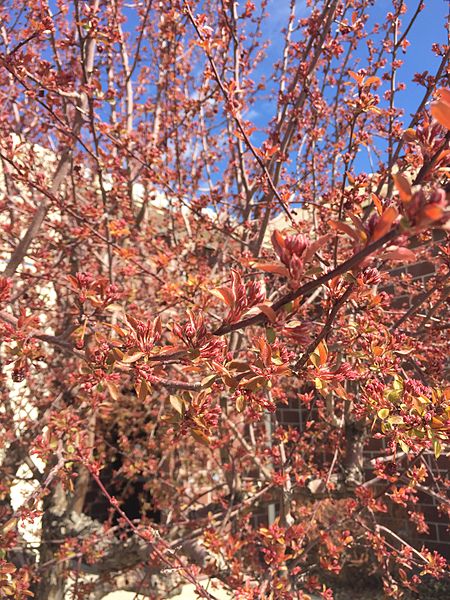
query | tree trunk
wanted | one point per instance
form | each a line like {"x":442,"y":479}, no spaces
{"x":353,"y":465}
{"x":51,"y":585}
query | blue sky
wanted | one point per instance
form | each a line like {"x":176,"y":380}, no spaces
{"x":428,"y":28}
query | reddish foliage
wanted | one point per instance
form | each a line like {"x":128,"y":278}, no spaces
{"x":211,"y":306}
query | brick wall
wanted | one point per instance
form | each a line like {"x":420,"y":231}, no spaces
{"x":438,"y":537}
{"x":397,"y":519}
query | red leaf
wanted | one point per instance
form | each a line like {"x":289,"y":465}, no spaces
{"x":444,"y":94}
{"x":268,"y":311}
{"x":403,"y":187}
{"x":272,"y":268}
{"x":277,"y":241}
{"x":157,"y":327}
{"x":433,"y":212}
{"x":441,"y":108}
{"x":323,"y":352}
{"x":410,"y":134}
{"x":225,"y":294}
{"x":312,"y":249}
{"x":200,"y":437}
{"x":345,"y":228}
{"x":112,"y":389}
{"x":356,"y":77}
{"x":253,"y":383}
{"x":265,"y":351}
{"x":372,"y":81}
{"x":142,"y":391}
{"x":377,"y":204}
{"x":384,"y":225}
{"x":402,"y":254}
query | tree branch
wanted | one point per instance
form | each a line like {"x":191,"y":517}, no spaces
{"x":309,"y":287}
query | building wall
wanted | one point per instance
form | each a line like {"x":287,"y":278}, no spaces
{"x":438,"y":537}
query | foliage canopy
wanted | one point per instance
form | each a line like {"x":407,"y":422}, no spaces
{"x":182,"y":281}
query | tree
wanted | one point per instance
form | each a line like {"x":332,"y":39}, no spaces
{"x":175,"y":274}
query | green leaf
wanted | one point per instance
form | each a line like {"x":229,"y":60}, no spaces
{"x":394,"y":396}
{"x":419,"y":433}
{"x":288,"y":307}
{"x":437,"y":448}
{"x":207,"y":381}
{"x":403,"y":446}
{"x":383,"y":413}
{"x":240,"y":403}
{"x":395,"y":420}
{"x":271,"y":335}
{"x":397,"y":384}
{"x":128,"y":359}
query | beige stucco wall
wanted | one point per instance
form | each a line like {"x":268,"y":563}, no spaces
{"x":188,"y":593}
